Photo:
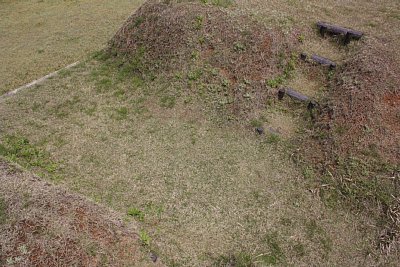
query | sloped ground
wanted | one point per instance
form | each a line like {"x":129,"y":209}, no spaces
{"x":44,"y":225}
{"x":205,"y":192}
{"x":354,"y":145}
{"x":136,"y":132}
{"x":366,"y":101}
{"x":230,"y":55}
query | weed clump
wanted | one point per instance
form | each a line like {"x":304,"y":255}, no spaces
{"x":19,"y":149}
{"x":2,"y":211}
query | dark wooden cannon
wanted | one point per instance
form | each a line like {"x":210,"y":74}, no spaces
{"x":349,"y":34}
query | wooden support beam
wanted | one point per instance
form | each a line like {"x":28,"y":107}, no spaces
{"x":293,"y":94}
{"x":348,"y":34}
{"x":320,"y":60}
{"x":324,"y":61}
{"x":297,"y":96}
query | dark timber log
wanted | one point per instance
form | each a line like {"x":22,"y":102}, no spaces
{"x":333,"y":29}
{"x":324,"y":61}
{"x":298,"y":96}
{"x":292,"y":93}
{"x":281,"y":94}
{"x":319,"y":60}
{"x":260,"y":130}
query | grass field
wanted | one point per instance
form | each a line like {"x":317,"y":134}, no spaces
{"x":39,"y":37}
{"x":203,"y":191}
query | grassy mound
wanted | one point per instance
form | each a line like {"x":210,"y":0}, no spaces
{"x":366,"y":101}
{"x":206,"y":49}
{"x":44,"y":225}
{"x":359,"y":137}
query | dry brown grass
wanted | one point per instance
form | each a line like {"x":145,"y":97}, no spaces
{"x":45,"y":225}
{"x":359,"y":134}
{"x":225,"y":52}
{"x":210,"y":193}
{"x":206,"y":191}
{"x":39,"y":37}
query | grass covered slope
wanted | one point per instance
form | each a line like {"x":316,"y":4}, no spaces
{"x":43,"y":225}
{"x":230,"y":55}
{"x":202,"y":191}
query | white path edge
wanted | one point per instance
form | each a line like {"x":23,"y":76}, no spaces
{"x":38,"y":81}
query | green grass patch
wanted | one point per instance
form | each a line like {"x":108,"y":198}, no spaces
{"x":120,"y":113}
{"x":195,"y":75}
{"x":198,"y":23}
{"x":136,"y":213}
{"x":3,"y":215}
{"x":256,"y":123}
{"x":144,"y":237}
{"x":288,"y":65}
{"x":138,"y":21}
{"x":276,"y":254}
{"x":19,"y":149}
{"x":272,"y":138}
{"x":167,"y":101}
{"x":104,"y":85}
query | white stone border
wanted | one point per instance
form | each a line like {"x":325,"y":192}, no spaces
{"x":38,"y":81}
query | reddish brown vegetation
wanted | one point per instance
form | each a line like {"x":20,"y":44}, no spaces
{"x":224,"y":49}
{"x":366,"y":101}
{"x":46,"y":226}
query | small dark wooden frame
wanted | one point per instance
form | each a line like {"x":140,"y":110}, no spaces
{"x":348,"y":34}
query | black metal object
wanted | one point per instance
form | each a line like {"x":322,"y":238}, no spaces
{"x":349,"y":34}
